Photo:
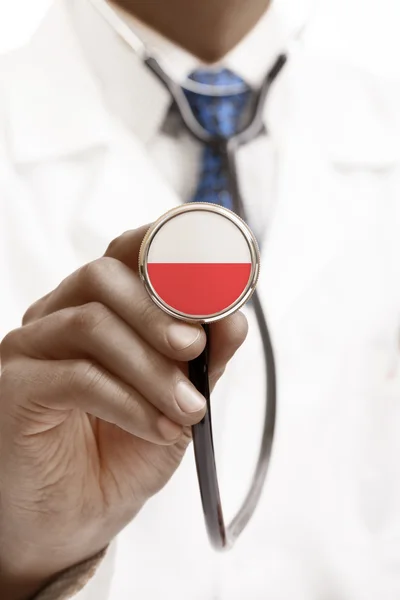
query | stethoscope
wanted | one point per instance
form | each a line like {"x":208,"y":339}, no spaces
{"x":221,"y":535}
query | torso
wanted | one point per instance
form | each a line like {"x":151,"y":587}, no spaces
{"x":329,"y":521}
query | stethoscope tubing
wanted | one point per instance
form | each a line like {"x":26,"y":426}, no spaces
{"x":250,"y":132}
{"x":223,"y":536}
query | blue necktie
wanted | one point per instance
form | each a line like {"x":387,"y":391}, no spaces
{"x":220,"y":116}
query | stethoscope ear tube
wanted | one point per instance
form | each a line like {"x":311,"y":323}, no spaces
{"x":253,"y":127}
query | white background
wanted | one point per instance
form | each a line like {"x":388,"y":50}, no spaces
{"x":365,"y":32}
{"x":18,"y":19}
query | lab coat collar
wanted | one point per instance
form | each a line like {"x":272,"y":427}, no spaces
{"x":62,"y":89}
{"x":136,"y":95}
{"x":58,"y":104}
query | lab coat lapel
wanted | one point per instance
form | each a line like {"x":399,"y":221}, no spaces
{"x":321,"y":149}
{"x":307,"y":228}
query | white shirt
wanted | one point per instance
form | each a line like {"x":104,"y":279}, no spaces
{"x":84,"y":156}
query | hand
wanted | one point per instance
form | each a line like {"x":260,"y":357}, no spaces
{"x":95,"y":413}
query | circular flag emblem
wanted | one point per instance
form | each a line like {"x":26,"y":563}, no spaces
{"x":199,"y":262}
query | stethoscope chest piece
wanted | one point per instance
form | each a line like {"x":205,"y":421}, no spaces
{"x":199,"y":262}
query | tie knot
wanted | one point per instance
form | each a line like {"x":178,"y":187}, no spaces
{"x":219,"y":107}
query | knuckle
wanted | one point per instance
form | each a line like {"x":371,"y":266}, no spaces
{"x":130,"y":405}
{"x":19,"y":383}
{"x":31,"y":313}
{"x":149,"y":314}
{"x":86,"y":319}
{"x":215,"y":375}
{"x":93,"y":275}
{"x":87,"y":377}
{"x":36,"y":310}
{"x":240,"y":329}
{"x":235,"y":333}
{"x":10,"y":375}
{"x":126,"y":247}
{"x":118,"y":242}
{"x":10,"y":344}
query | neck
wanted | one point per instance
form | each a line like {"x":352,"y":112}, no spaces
{"x":208,"y":29}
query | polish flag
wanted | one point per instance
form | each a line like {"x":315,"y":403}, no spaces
{"x":199,"y":263}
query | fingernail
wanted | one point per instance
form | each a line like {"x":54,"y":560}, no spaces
{"x":188,"y":399}
{"x":181,"y":336}
{"x":168,"y":429}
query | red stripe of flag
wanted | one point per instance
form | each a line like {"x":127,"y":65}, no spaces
{"x":199,"y":288}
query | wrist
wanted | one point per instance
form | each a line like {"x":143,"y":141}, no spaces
{"x":23,"y":573}
{"x":20,"y":586}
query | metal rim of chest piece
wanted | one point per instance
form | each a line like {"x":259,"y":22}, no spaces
{"x":245,"y":235}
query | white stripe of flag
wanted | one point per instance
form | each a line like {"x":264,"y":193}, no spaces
{"x":199,"y":263}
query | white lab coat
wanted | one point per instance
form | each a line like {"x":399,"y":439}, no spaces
{"x":328,"y":525}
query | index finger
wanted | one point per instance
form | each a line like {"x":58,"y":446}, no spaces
{"x":126,"y":247}
{"x":110,"y":282}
